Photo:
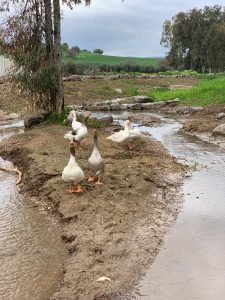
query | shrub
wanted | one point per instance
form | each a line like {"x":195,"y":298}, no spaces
{"x":98,"y":51}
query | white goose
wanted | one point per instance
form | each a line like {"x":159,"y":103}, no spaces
{"x":72,"y":173}
{"x":122,"y":135}
{"x":77,"y":136}
{"x":95,"y":162}
{"x":134,"y":133}
{"x":75,"y":124}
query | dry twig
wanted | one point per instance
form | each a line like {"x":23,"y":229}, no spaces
{"x":15,"y":170}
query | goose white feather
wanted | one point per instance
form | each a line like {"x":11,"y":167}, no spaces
{"x":72,"y":173}
{"x":134,"y":133}
{"x":79,"y":135}
{"x":75,"y":124}
{"x":95,"y":161}
{"x":122,"y":135}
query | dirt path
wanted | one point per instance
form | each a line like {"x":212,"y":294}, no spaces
{"x":115,"y":230}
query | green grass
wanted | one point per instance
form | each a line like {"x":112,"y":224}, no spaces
{"x":92,"y":58}
{"x":133,"y":91}
{"x":210,"y":90}
{"x":55,"y":118}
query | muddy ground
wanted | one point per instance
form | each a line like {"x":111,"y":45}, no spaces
{"x":117,"y":229}
{"x":201,"y":124}
{"x":114,"y":230}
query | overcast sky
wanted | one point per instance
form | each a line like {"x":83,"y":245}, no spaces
{"x":129,"y":28}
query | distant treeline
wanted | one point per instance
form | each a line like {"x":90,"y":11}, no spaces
{"x":92,"y":69}
{"x":196,"y":39}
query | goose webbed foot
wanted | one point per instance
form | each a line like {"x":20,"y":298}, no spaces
{"x":130,"y":146}
{"x":98,"y":182}
{"x":78,"y":189}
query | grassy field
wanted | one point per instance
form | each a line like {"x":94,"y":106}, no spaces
{"x":208,"y":91}
{"x":91,"y":58}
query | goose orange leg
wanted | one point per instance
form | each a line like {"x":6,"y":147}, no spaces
{"x":69,"y":189}
{"x":130,"y":146}
{"x":91,"y":178}
{"x":78,"y":189}
{"x":98,"y":181}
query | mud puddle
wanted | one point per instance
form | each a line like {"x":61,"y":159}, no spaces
{"x":191,"y":264}
{"x":30,"y":248}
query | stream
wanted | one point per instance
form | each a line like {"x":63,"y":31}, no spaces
{"x":191,"y":265}
{"x":30,"y":247}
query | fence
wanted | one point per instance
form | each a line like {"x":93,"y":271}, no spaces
{"x":5,"y":65}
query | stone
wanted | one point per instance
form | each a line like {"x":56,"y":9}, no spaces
{"x":108,"y":120}
{"x":173,"y":102}
{"x":119,"y":91}
{"x":98,"y":107}
{"x":135,"y":106}
{"x":14,"y":116}
{"x":2,"y":115}
{"x":219,"y":130}
{"x":135,"y":99}
{"x":29,"y":121}
{"x":184,"y":110}
{"x":221,"y":115}
{"x":72,"y":78}
{"x":154,"y":105}
{"x":117,"y":106}
{"x":195,"y":109}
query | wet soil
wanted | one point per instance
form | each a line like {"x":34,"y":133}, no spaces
{"x":114,"y":230}
{"x":201,"y":124}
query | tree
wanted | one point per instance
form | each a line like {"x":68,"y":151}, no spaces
{"x":189,"y":38}
{"x":98,"y":51}
{"x":31,"y":37}
{"x":75,"y":49}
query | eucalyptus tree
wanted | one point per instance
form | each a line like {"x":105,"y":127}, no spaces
{"x":30,"y":35}
{"x":195,"y":38}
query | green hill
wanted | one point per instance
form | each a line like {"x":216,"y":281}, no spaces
{"x":92,"y":58}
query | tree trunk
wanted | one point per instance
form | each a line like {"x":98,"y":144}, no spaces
{"x":203,"y":69}
{"x":49,"y":48}
{"x":59,"y":99}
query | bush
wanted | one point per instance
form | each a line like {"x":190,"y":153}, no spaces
{"x":55,"y":118}
{"x":75,"y":49}
{"x":98,"y":51}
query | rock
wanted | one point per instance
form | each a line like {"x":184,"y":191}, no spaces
{"x":135,"y":106}
{"x":185,"y":110}
{"x":108,"y":120}
{"x":119,"y":91}
{"x":98,"y":107}
{"x":2,"y":115}
{"x":117,"y":106}
{"x":76,"y":107}
{"x":135,"y":99}
{"x":14,"y":116}
{"x":221,"y":115}
{"x":195,"y":109}
{"x":154,"y":105}
{"x":33,"y":120}
{"x":173,"y":102}
{"x":219,"y":130}
{"x":72,"y":78}
{"x":143,"y":99}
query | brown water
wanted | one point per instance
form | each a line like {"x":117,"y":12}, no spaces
{"x":30,"y":245}
{"x":191,"y":265}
